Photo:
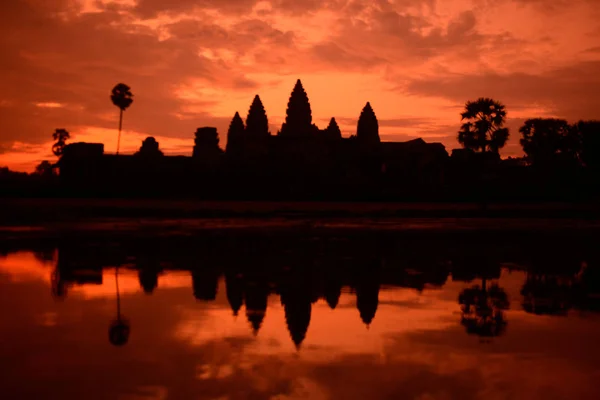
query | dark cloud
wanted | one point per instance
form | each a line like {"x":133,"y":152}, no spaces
{"x":569,"y":92}
{"x":77,"y":62}
{"x":151,"y":8}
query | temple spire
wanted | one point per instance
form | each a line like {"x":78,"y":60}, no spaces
{"x":298,"y":119}
{"x":368,"y":127}
{"x":257,"y":123}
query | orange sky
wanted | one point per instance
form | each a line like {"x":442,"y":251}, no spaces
{"x":193,"y":63}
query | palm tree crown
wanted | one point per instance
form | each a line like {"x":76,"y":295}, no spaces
{"x":484,"y":129}
{"x":121,"y":96}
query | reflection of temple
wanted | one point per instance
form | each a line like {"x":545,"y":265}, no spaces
{"x":205,"y":282}
{"x":367,"y":291}
{"x":234,"y":286}
{"x":297,"y":306}
{"x":256,"y":294}
{"x":74,"y":268}
{"x":303,"y":271}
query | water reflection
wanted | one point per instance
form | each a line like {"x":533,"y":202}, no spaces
{"x":320,"y":318}
{"x":118,"y":333}
{"x":549,"y":288}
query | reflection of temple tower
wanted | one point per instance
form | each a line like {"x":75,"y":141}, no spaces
{"x":367,"y":290}
{"x":148,"y":278}
{"x":332,"y":289}
{"x":204,"y":283}
{"x":256,"y":294}
{"x":367,"y":299}
{"x":148,"y":265}
{"x":235,"y":291}
{"x":297,"y":306}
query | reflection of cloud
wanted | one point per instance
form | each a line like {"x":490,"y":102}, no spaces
{"x":183,"y":348}
{"x":24,"y":266}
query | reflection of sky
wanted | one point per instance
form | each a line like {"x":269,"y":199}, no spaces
{"x":181,"y":348}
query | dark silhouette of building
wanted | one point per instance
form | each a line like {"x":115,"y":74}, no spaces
{"x":235,"y":136}
{"x":303,"y":162}
{"x":367,"y":131}
{"x":149,"y":148}
{"x":257,"y":123}
{"x":206,"y":144}
{"x":333,"y":132}
{"x":298,"y":119}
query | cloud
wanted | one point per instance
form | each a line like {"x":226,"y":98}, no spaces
{"x":567,"y":92}
{"x":193,"y":63}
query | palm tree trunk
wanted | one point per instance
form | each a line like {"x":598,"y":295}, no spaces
{"x":120,"y":125}
{"x":118,"y":295}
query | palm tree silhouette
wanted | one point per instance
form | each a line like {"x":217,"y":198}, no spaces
{"x":118,"y":333}
{"x":121,"y":97}
{"x":484,"y":127}
{"x":61,"y":136}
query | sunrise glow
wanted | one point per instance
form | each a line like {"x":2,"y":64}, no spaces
{"x":193,"y":64}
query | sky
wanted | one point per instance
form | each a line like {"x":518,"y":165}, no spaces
{"x":194,"y":63}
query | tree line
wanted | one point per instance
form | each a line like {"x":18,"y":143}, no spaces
{"x":546,"y":142}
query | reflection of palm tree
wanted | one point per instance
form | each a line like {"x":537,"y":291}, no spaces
{"x":59,"y":288}
{"x":482,"y":309}
{"x":118,"y":333}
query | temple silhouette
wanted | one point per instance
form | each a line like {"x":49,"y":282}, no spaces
{"x":300,"y":160}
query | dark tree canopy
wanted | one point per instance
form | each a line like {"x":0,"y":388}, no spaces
{"x":548,"y":140}
{"x":484,"y":127}
{"x":121,"y":96}
{"x":235,"y":132}
{"x":298,"y":119}
{"x":257,"y":123}
{"x":61,"y":136}
{"x":149,"y":148}
{"x":368,"y":127}
{"x":589,"y":134}
{"x":333,"y":130}
{"x":45,"y":168}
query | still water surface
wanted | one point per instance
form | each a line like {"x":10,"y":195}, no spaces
{"x":347,"y":325}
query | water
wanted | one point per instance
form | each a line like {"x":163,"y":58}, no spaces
{"x":297,"y":316}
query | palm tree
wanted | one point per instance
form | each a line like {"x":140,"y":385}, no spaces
{"x":121,"y":97}
{"x":61,"y":136}
{"x":484,"y":127}
{"x":118,"y":333}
